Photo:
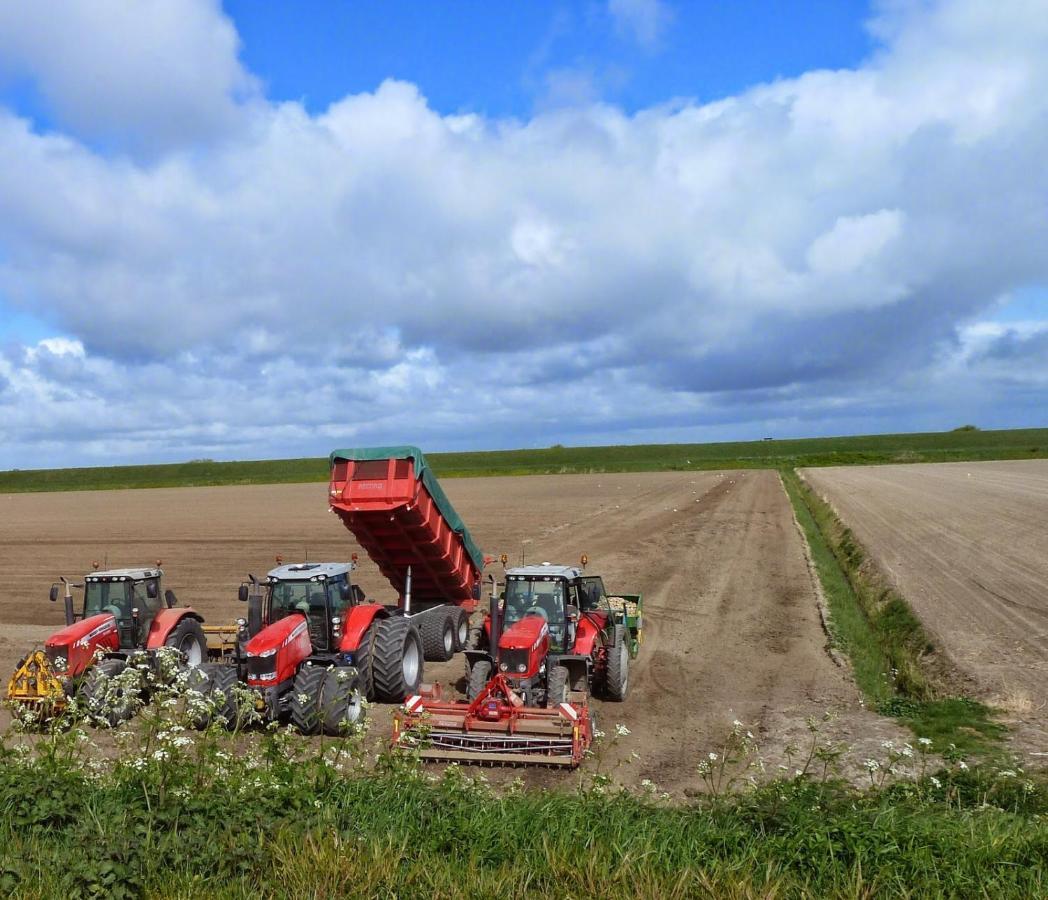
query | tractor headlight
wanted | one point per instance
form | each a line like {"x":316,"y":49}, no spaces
{"x":503,"y":667}
{"x":522,"y":668}
{"x":335,"y":620}
{"x":265,"y":654}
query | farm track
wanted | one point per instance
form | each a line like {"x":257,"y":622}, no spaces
{"x":732,"y":630}
{"x":967,"y":545}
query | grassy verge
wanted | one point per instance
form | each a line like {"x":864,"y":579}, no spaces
{"x":893,"y":658}
{"x":185,"y":817}
{"x":949,"y":446}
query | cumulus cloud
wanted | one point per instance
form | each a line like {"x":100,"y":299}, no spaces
{"x":794,"y":254}
{"x":152,"y":73}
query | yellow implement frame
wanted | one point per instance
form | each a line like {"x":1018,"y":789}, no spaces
{"x":36,"y":685}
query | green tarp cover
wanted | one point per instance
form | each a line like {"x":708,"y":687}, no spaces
{"x":423,"y":471}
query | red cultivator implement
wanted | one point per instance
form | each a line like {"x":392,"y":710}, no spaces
{"x":496,"y":727}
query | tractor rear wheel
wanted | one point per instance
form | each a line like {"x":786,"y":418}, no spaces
{"x":479,"y":676}
{"x":197,"y":697}
{"x":362,"y":658}
{"x":557,"y":686}
{"x":396,"y":659}
{"x":478,"y":638}
{"x":223,"y":694}
{"x":108,"y":700}
{"x":342,"y":700}
{"x":461,"y":630}
{"x":305,"y":699}
{"x":616,"y":681}
{"x":438,"y":630}
{"x":188,"y":638}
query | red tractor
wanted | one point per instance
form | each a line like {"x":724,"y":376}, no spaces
{"x":553,"y":640}
{"x":124,"y":613}
{"x":312,"y":648}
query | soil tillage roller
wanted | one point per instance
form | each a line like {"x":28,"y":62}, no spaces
{"x":556,"y":639}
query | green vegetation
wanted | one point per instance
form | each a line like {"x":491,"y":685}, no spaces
{"x":893,"y":659}
{"x":962,"y":444}
{"x":181,"y":814}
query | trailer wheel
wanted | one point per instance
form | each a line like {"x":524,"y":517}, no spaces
{"x":396,"y":659}
{"x":461,"y":630}
{"x":224,"y":682}
{"x":188,"y":638}
{"x":305,"y":699}
{"x":109,"y":701}
{"x":438,"y":630}
{"x":362,"y":659}
{"x":557,"y":686}
{"x":342,"y":700}
{"x":479,"y":676}
{"x":616,"y":682}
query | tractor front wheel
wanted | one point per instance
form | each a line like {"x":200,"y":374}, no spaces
{"x":618,"y":669}
{"x":342,"y":701}
{"x":362,"y":659}
{"x":107,"y":699}
{"x":306,"y":699}
{"x":479,"y":676}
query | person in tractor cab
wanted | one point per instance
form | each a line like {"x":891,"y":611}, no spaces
{"x":544,"y":599}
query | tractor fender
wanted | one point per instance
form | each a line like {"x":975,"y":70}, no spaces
{"x":587,"y":634}
{"x":164,"y":622}
{"x":358,"y":620}
{"x":78,"y":642}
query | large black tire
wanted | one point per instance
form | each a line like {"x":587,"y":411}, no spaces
{"x":199,"y":682}
{"x":306,"y":699}
{"x":396,"y":659}
{"x":342,"y":700}
{"x":461,"y":629}
{"x":616,"y":684}
{"x":438,"y":629}
{"x":188,"y":637}
{"x":223,"y":680}
{"x":478,"y":637}
{"x":479,"y":676}
{"x":557,"y":686}
{"x":362,"y":659}
{"x":108,"y":703}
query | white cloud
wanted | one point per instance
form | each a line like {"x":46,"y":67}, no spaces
{"x":643,"y":20}
{"x":791,"y":254}
{"x":156,"y":73}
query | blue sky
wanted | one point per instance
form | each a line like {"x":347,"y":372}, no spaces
{"x":254,"y":230}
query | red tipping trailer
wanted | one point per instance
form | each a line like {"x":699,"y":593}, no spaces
{"x":392,"y":502}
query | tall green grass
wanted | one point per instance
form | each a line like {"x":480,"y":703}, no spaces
{"x":867,"y":449}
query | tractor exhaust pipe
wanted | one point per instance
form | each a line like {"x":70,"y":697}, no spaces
{"x":496,"y":617}
{"x":407,"y":594}
{"x":68,"y":599}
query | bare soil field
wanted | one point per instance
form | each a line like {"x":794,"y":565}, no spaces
{"x":967,"y":545}
{"x":732,"y":629}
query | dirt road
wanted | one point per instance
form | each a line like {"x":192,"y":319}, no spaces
{"x":732,"y":629}
{"x":967,"y":545}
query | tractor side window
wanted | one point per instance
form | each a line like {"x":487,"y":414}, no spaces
{"x":335,"y":598}
{"x":592,"y":594}
{"x":147,"y":606}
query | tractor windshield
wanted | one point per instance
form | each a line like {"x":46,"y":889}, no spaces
{"x":107,"y":597}
{"x":298,"y":596}
{"x":537,"y":597}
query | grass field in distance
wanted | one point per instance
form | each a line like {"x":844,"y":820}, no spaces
{"x":961,"y":444}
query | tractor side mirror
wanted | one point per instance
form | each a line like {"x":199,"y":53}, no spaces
{"x":242,"y":593}
{"x":169,"y":598}
{"x":152,"y":591}
{"x":54,"y":593}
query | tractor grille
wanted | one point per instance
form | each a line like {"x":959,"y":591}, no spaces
{"x":513,"y":660}
{"x":258,"y":666}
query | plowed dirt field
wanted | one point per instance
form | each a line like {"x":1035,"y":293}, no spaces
{"x":732,"y":628}
{"x":967,"y":545}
